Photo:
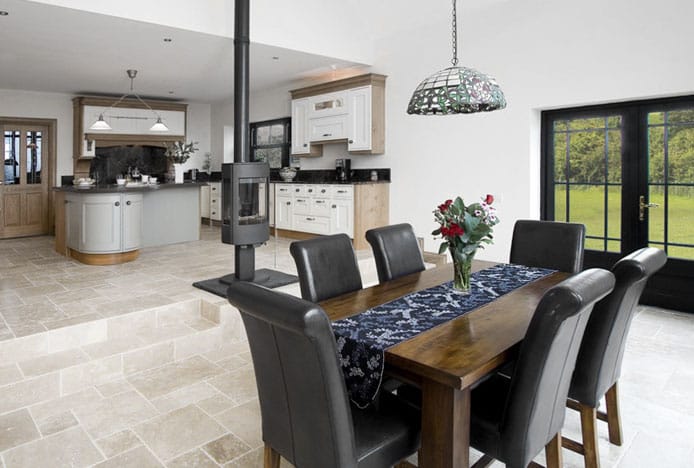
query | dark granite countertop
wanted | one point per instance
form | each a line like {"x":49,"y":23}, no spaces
{"x":331,"y":182}
{"x":113,"y":188}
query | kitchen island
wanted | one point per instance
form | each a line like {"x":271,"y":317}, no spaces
{"x":109,"y":224}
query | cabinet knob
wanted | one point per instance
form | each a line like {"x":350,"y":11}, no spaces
{"x":296,"y":190}
{"x":128,"y":203}
{"x":289,"y":203}
{"x":305,"y":145}
{"x":334,"y":206}
{"x":214,"y":189}
{"x":310,"y":190}
{"x":117,"y":203}
{"x":214,"y":212}
{"x":322,"y":191}
{"x":351,"y":141}
{"x":327,"y":134}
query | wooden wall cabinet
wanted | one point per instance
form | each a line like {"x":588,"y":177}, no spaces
{"x":350,"y":110}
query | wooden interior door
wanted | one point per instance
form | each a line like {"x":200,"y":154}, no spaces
{"x":24,"y":183}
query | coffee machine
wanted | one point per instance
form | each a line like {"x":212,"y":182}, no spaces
{"x":343,"y":169}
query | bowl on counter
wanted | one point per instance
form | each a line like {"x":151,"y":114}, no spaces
{"x":120,"y":181}
{"x":287,"y":174}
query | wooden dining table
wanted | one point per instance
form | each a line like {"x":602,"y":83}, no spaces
{"x":447,"y":360}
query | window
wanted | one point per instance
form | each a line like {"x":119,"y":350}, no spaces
{"x":271,"y":141}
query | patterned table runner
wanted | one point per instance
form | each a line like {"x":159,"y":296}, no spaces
{"x":362,"y":339}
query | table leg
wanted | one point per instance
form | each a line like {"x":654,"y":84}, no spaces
{"x":445,"y":427}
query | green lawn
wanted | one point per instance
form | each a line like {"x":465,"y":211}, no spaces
{"x":587,"y":206}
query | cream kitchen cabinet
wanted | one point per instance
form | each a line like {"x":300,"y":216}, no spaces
{"x":215,"y":201}
{"x":104,"y":223}
{"x":315,"y":208}
{"x":205,"y":201}
{"x":350,"y":110}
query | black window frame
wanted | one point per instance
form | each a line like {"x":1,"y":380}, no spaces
{"x":285,"y":145}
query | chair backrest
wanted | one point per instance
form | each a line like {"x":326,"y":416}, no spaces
{"x":548,"y":244}
{"x":327,"y":267}
{"x":396,"y":251}
{"x":535,"y":407}
{"x":306,"y":416}
{"x":600,"y":358}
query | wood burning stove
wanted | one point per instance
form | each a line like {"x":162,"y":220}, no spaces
{"x":245,"y":203}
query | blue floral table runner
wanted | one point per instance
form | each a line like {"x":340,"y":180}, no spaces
{"x":362,"y":339}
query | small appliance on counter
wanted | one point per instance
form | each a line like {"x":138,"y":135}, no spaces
{"x":343,"y":169}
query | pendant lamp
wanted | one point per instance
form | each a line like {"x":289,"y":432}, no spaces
{"x":456,"y":90}
{"x":101,"y":124}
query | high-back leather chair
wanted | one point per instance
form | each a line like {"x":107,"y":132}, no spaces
{"x":512,"y":419}
{"x":548,"y":244}
{"x":396,"y":251}
{"x":327,"y":267}
{"x":599,"y":361}
{"x":305,"y":411}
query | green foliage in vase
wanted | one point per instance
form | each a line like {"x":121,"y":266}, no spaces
{"x":179,"y":152}
{"x":464,"y":229}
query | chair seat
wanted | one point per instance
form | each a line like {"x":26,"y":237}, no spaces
{"x":487,"y":410}
{"x":382,"y":436}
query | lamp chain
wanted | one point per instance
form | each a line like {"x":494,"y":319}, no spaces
{"x":454,"y":61}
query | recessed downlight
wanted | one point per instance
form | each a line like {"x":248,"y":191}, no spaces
{"x":171,"y":92}
{"x":168,"y":39}
{"x":274,"y":57}
{"x":4,"y":13}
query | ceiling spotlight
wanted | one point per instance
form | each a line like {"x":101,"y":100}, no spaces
{"x":168,"y":39}
{"x":171,"y":92}
{"x":4,"y":13}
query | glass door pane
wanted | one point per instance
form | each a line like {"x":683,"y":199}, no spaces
{"x":34,"y":157}
{"x":671,"y":182}
{"x":12,"y":159}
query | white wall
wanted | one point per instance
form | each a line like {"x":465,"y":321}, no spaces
{"x":44,"y":106}
{"x":544,"y":54}
{"x":15,"y":103}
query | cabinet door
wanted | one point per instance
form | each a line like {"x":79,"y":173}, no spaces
{"x":271,"y":205}
{"x":205,"y":201}
{"x":73,"y":221}
{"x":328,"y":128}
{"x":302,"y":205}
{"x":342,"y":217}
{"x":284,"y":212}
{"x":359,"y":123}
{"x":101,"y":224}
{"x":300,"y":141}
{"x":132,"y":221}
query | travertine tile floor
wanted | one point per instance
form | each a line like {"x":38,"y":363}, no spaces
{"x":202,"y":410}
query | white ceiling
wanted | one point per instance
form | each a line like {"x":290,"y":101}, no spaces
{"x":56,"y":49}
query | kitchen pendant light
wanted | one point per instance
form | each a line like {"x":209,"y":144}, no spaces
{"x":101,"y":124}
{"x":456,"y":90}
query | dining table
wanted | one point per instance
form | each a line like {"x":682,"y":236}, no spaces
{"x":446,"y":361}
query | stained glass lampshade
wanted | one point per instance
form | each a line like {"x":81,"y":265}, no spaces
{"x":456,"y":90}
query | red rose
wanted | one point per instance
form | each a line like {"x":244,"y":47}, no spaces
{"x":490,"y":199}
{"x":455,"y":230}
{"x":444,"y":207}
{"x":445,"y":232}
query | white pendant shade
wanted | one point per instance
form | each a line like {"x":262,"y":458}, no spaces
{"x":159,"y":126}
{"x":100,"y":124}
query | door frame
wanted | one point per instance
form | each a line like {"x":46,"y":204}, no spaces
{"x":667,"y":288}
{"x":51,"y":145}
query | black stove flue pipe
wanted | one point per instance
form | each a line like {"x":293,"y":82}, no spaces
{"x":244,"y":255}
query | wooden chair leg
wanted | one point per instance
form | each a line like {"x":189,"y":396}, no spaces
{"x":614,"y":420}
{"x":590,"y":437}
{"x":553,"y":452}
{"x":271,"y":459}
{"x":484,"y":461}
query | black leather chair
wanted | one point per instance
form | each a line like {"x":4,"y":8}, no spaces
{"x":599,"y":361}
{"x":548,"y":244}
{"x":396,"y":251}
{"x":327,"y":267}
{"x":306,"y":414}
{"x":512,"y":419}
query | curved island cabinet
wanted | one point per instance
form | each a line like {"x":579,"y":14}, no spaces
{"x":107,"y":225}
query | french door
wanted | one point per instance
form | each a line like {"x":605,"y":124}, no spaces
{"x":626,"y":171}
{"x":24,"y":182}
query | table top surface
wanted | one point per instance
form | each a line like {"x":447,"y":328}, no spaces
{"x":459,"y":352}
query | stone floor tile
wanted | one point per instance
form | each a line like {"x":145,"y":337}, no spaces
{"x":28,"y":392}
{"x":91,"y":373}
{"x":68,"y":448}
{"x":71,"y":320}
{"x":226,"y":448}
{"x":178,"y":432}
{"x":184,"y":397}
{"x":158,"y":382}
{"x":652,"y":450}
{"x":52,"y":362}
{"x":254,"y":459}
{"x":139,"y":457}
{"x":56,"y":406}
{"x":9,"y":374}
{"x":118,"y":443}
{"x":148,"y":358}
{"x":16,"y":428}
{"x":216,"y":404}
{"x":110,"y":389}
{"x":244,"y":422}
{"x":57,"y":423}
{"x":195,"y":459}
{"x":114,"y":414}
{"x":112,"y":346}
{"x":231,"y":364}
{"x":239,"y":385}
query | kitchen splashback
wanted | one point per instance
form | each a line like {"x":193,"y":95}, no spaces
{"x":111,"y":161}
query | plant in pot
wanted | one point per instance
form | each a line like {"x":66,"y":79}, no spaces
{"x":176,"y":154}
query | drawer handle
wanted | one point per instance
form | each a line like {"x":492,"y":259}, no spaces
{"x":117,"y":203}
{"x":310,"y":219}
{"x":320,"y":201}
{"x":327,"y":134}
{"x":342,"y":191}
{"x":128,"y":203}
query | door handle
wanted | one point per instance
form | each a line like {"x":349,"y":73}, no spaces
{"x":643,"y":206}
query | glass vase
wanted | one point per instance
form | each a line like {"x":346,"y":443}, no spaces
{"x":462,"y":269}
